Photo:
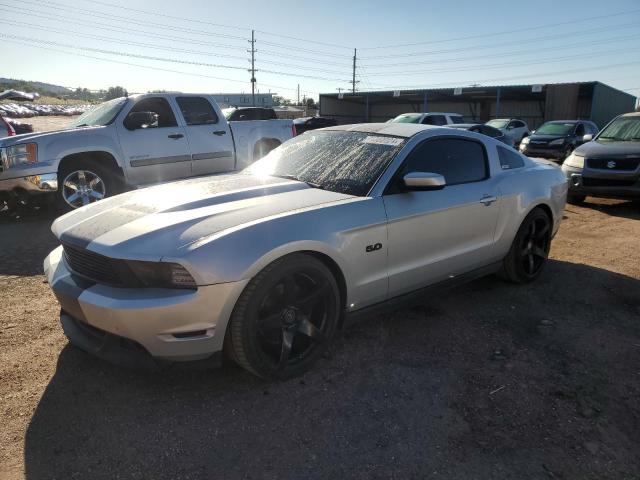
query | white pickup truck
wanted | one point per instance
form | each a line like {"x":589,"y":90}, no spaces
{"x":129,"y":142}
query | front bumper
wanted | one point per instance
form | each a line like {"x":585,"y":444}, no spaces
{"x":556,"y":151}
{"x":30,"y":185}
{"x":602,"y":184}
{"x":167,"y":324}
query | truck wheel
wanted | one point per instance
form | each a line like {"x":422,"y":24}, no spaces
{"x":285,"y":318}
{"x":530,"y":249}
{"x":83,"y":182}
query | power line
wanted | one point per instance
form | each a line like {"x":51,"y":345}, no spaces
{"x":502,"y":54}
{"x":149,"y":67}
{"x":504,"y":32}
{"x":493,"y":45}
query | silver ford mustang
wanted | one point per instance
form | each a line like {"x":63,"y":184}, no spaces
{"x":268,"y":263}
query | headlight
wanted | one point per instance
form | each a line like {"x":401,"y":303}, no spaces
{"x":559,"y":141}
{"x":21,"y":153}
{"x":162,"y":275}
{"x":573,"y":160}
{"x":525,"y":141}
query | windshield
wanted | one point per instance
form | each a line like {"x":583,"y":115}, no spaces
{"x":407,"y":118}
{"x":622,"y":129}
{"x":101,"y":115}
{"x":345,"y":162}
{"x":497,"y":123}
{"x":552,"y":128}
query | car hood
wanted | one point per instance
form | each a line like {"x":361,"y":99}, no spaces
{"x":165,"y":220}
{"x":36,"y":136}
{"x":604,"y":148}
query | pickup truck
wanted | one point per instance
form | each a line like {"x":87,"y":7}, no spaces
{"x":131,"y":142}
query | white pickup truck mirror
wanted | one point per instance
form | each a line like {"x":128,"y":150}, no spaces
{"x":424,"y":181}
{"x":136,"y":120}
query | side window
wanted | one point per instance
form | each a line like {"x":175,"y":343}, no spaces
{"x":491,"y":132}
{"x":580,"y":129}
{"x":509,"y":159}
{"x":591,"y":128}
{"x":158,"y":105}
{"x":429,"y":120}
{"x":457,"y":160}
{"x":456,"y":119}
{"x":197,"y":111}
{"x":517,"y":124}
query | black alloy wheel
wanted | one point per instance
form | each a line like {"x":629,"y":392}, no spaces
{"x":530,"y":248}
{"x":285,"y":318}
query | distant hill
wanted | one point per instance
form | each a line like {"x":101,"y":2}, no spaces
{"x":31,"y":86}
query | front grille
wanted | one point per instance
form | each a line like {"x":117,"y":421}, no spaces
{"x":614,"y":163}
{"x":92,"y":266}
{"x":606,"y":182}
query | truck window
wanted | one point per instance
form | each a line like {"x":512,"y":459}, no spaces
{"x":197,"y":110}
{"x":434,"y":120}
{"x":158,"y":105}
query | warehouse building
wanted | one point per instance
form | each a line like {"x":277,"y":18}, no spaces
{"x":243,"y":99}
{"x":533,"y":103}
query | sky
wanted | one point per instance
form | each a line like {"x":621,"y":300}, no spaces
{"x":202,"y":45}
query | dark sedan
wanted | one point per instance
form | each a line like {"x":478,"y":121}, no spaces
{"x":557,"y":139}
{"x":311,"y":123}
{"x":485,"y":130}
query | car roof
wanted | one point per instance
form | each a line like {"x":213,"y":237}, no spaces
{"x":465,"y":125}
{"x":396,"y":129}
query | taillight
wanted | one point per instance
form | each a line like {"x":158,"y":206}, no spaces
{"x":10,"y":131}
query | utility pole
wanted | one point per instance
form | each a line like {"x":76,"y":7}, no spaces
{"x":353,"y":81}
{"x":298,"y":103}
{"x":253,"y":67}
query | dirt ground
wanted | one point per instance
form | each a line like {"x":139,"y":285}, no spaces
{"x":48,"y":123}
{"x":490,"y":380}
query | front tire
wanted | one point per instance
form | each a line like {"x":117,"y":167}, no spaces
{"x":530,"y":249}
{"x":84,"y":181}
{"x":285,"y":318}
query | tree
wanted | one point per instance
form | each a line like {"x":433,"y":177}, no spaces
{"x":115,"y":92}
{"x":310,"y":103}
{"x":280,"y":101}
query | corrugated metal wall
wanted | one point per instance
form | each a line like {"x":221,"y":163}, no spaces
{"x":608,"y":103}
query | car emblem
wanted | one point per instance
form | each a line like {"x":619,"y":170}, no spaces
{"x":611,"y":164}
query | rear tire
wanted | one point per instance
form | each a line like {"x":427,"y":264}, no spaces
{"x":285,"y":318}
{"x":530,"y":249}
{"x":85,"y":181}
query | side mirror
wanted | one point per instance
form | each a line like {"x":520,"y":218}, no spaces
{"x":588,"y":137}
{"x":136,"y":120}
{"x":424,"y":181}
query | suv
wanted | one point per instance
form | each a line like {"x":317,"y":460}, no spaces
{"x":431,"y":118}
{"x":513,"y":128}
{"x":304,"y":124}
{"x":607,"y":165}
{"x":557,"y":139}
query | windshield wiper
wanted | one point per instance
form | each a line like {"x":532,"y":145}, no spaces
{"x":293,"y":177}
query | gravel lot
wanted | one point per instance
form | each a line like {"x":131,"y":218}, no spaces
{"x":488,"y":381}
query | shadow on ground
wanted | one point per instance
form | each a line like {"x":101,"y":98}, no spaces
{"x":625,"y":209}
{"x":488,"y":381}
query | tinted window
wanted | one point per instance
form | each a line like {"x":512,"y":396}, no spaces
{"x":197,"y":110}
{"x":509,"y":159}
{"x":457,"y":160}
{"x":456,"y":119}
{"x":158,"y":105}
{"x":434,"y":120}
{"x":580,"y":129}
{"x":556,"y":128}
{"x":517,"y":124}
{"x":491,"y":132}
{"x":268,"y":114}
{"x":345,"y":162}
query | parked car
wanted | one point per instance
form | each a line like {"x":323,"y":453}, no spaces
{"x":305,"y":124}
{"x":514,"y":128}
{"x":128,"y":142}
{"x":485,"y":130}
{"x":20,"y":127}
{"x":608,"y":165}
{"x":431,"y":118}
{"x":557,"y":139}
{"x":242,"y":114}
{"x":6,"y":130}
{"x":266,"y":264}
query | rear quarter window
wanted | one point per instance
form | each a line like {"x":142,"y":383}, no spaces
{"x":509,"y":159}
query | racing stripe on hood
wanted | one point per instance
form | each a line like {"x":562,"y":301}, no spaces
{"x":85,"y":225}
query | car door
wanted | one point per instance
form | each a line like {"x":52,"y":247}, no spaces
{"x":209,"y":137}
{"x":156,"y":152}
{"x":436,"y":234}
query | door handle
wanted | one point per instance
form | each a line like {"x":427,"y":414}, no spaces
{"x":176,"y":136}
{"x":219,"y":132}
{"x":487,"y":200}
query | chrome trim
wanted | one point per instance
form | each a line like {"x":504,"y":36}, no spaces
{"x":210,"y":155}
{"x":143,"y":162}
{"x":47,"y":182}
